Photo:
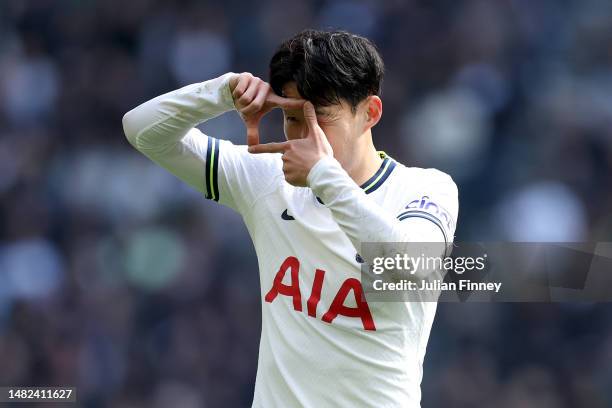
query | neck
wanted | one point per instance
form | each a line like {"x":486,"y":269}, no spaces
{"x":362,"y":160}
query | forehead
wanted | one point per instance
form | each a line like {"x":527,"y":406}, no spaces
{"x":290,"y":91}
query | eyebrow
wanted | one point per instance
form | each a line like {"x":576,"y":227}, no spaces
{"x":317,"y":111}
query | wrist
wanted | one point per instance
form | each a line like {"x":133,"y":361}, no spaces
{"x":230,"y":80}
{"x":320,"y":167}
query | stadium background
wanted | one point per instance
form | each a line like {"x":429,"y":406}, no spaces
{"x":116,"y":278}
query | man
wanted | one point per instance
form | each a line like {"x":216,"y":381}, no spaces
{"x":309,"y":203}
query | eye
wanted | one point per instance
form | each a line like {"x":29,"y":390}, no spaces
{"x":291,"y":119}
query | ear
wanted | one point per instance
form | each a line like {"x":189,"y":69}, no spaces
{"x":373,"y":111}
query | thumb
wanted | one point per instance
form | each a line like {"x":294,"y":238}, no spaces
{"x":252,"y":131}
{"x":310,"y":116}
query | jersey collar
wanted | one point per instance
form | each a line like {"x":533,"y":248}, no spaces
{"x":381,"y":174}
{"x":379,"y":177}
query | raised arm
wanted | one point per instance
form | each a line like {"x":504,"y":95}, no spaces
{"x":363,"y":220}
{"x":164,"y":130}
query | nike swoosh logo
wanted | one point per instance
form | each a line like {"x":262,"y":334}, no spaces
{"x":285,"y":216}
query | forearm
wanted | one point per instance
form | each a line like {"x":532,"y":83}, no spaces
{"x":164,"y":130}
{"x":360,"y":217}
{"x":162,"y":122}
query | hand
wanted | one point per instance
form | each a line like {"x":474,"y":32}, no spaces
{"x":253,"y":98}
{"x":300,"y":155}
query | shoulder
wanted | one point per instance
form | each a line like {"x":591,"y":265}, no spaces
{"x":412,"y":177}
{"x":427,"y":189}
{"x":242,"y":177}
{"x":428,"y":193}
{"x":239,"y":154}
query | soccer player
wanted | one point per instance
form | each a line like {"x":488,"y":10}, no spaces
{"x":309,"y":203}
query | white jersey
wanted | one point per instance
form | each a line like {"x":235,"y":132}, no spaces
{"x":322,"y":344}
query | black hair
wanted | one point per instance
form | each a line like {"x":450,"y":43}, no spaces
{"x":328,"y":66}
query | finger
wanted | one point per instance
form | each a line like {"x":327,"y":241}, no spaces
{"x":252,"y":131}
{"x":234,"y":81}
{"x":242,"y":86}
{"x":269,"y":148}
{"x":259,"y":100}
{"x":247,"y":97}
{"x":285,"y":103}
{"x":310,"y":116}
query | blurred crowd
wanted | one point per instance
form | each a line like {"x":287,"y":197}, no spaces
{"x":121,"y":281}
